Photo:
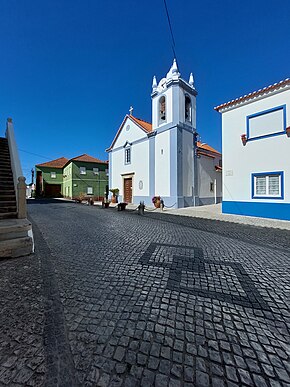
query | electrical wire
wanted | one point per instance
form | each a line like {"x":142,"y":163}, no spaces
{"x":170,"y":28}
{"x":35,"y":154}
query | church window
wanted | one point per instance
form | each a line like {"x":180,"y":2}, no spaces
{"x":128,"y":156}
{"x":162,"y":109}
{"x":187,"y":109}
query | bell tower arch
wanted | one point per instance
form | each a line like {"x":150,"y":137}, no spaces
{"x":174,"y":122}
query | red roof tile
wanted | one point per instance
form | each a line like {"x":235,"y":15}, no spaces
{"x":254,"y":94}
{"x":146,"y":126}
{"x":88,"y":159}
{"x":207,"y":147}
{"x":199,"y":152}
{"x":57,"y":163}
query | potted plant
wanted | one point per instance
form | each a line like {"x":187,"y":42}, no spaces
{"x":244,"y":139}
{"x":156,"y":200}
{"x":115,"y":193}
{"x":80,"y":198}
{"x":105,"y":203}
{"x":288,"y":131}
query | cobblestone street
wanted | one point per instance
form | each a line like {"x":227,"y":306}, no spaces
{"x":115,"y":299}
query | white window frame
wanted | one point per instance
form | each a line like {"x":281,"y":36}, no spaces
{"x":83,"y":171}
{"x":189,"y":105}
{"x":96,"y":171}
{"x":53,"y":175}
{"x":268,"y":195}
{"x":128,"y":151}
{"x":90,"y":189}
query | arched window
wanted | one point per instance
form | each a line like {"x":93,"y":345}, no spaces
{"x":162,"y":109}
{"x":187,"y":108}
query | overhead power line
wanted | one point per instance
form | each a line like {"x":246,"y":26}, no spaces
{"x":171,"y":31}
{"x":35,"y":154}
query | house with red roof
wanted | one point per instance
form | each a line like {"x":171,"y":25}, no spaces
{"x":82,"y":175}
{"x":256,"y":149}
{"x":164,"y":158}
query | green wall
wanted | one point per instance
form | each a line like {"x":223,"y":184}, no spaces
{"x":73,"y":183}
{"x":46,"y":176}
{"x":80,"y":183}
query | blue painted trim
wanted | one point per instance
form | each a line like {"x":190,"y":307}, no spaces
{"x":110,"y":170}
{"x":263,"y":210}
{"x":173,"y":163}
{"x":184,"y":127}
{"x":152,"y":166}
{"x":180,"y":177}
{"x":280,"y":173}
{"x":131,"y":143}
{"x":282,"y":107}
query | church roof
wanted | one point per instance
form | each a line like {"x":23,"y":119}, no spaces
{"x":144,"y":125}
{"x":87,"y":159}
{"x":254,"y":94}
{"x":57,"y":163}
{"x":207,"y":147}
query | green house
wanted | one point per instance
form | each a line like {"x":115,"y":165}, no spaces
{"x":80,"y":176}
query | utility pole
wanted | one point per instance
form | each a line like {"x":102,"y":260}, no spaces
{"x":32,"y":176}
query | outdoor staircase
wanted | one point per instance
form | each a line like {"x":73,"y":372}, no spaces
{"x":8,"y":208}
{"x":15,"y":238}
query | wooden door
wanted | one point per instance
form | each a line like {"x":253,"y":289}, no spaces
{"x":128,"y":190}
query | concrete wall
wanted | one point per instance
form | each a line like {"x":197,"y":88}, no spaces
{"x":207,"y":174}
{"x":262,"y":154}
{"x":139,"y":166}
{"x":162,"y":164}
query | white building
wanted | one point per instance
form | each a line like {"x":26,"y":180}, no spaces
{"x":163,"y":158}
{"x":256,"y":153}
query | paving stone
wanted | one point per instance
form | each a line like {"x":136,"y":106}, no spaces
{"x":163,"y":300}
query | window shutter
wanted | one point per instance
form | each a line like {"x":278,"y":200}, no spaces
{"x":261,"y":185}
{"x":274,"y":184}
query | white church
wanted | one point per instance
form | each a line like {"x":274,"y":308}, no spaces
{"x":164,"y":158}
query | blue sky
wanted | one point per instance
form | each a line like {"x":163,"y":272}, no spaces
{"x":70,"y":70}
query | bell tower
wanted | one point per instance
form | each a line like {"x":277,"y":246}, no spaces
{"x":174,"y":123}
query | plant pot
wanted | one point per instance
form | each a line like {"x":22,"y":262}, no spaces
{"x":113,"y":199}
{"x":288,"y":131}
{"x":157,"y":204}
{"x":244,"y":140}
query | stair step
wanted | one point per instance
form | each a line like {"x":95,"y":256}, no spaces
{"x":7,"y":197}
{"x":5,"y":191}
{"x":9,"y":202}
{"x":16,"y":247}
{"x":14,"y":228}
{"x":8,"y":215}
{"x":4,"y":210}
{"x":5,"y":183}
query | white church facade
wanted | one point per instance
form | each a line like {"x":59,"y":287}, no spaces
{"x":163,"y":158}
{"x":256,"y":153}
